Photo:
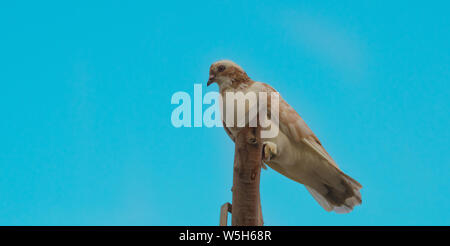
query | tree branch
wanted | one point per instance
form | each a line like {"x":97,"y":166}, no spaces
{"x":246,"y":202}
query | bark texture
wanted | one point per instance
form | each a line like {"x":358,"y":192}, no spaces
{"x":246,"y":210}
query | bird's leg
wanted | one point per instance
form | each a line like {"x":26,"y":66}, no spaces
{"x":269,"y":151}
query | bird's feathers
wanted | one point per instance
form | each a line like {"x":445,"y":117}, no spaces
{"x":302,"y":157}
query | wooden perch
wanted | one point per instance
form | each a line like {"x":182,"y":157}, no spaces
{"x":246,"y":210}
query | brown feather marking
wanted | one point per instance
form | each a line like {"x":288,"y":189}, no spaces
{"x":299,"y":129}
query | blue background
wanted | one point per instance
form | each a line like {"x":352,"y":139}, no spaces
{"x":85,"y":90}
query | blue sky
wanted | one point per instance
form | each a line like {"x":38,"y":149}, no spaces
{"x":85,"y":130}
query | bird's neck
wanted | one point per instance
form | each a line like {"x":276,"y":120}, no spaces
{"x":235,"y":84}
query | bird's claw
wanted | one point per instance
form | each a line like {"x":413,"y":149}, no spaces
{"x":269,"y":151}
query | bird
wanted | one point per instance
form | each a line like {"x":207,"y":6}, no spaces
{"x":295,"y":151}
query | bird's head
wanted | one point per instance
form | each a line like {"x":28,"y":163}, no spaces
{"x":227,"y":74}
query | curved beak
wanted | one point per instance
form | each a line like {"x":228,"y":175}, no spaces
{"x":210,"y":80}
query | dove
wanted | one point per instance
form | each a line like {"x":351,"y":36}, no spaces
{"x":295,"y":151}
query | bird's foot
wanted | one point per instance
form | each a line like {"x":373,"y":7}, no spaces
{"x":269,"y":151}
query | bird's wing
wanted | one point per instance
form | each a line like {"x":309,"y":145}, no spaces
{"x":293,"y":126}
{"x":329,"y":190}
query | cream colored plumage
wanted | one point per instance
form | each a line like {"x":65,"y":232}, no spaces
{"x":295,"y":152}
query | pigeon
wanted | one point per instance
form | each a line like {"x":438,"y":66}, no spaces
{"x":295,"y":151}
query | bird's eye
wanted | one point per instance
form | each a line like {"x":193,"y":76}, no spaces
{"x":221,"y":68}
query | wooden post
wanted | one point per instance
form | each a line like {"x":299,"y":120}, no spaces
{"x":246,"y":210}
{"x":224,"y":210}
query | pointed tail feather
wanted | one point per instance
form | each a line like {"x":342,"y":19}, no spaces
{"x":338,"y":201}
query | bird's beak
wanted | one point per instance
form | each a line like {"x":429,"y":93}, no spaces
{"x":211,"y":80}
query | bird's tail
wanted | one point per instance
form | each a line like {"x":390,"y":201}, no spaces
{"x":341,"y":198}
